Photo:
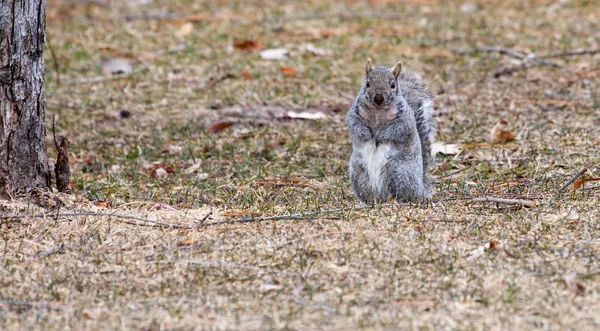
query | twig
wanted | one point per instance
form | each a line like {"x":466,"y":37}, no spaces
{"x":568,"y":183}
{"x":571,"y":53}
{"x":268,"y":19}
{"x":531,"y":61}
{"x":524,"y":203}
{"x":453,"y":173}
{"x":443,"y":220}
{"x":311,"y":215}
{"x":201,"y":221}
{"x":342,"y":15}
{"x":31,"y":304}
{"x":54,"y":132}
{"x":224,"y":265}
{"x":489,"y":49}
{"x":54,"y":59}
{"x":152,"y":223}
{"x":538,"y":63}
{"x":99,"y":79}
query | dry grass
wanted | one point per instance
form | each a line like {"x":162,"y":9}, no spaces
{"x":454,"y":264}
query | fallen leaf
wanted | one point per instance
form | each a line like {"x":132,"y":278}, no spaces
{"x":193,"y":168}
{"x":446,"y":149}
{"x":246,"y":75}
{"x":116,"y":66}
{"x":582,"y":181}
{"x":172,"y":149}
{"x":188,"y":242}
{"x":480,"y":250}
{"x":305,"y":115}
{"x":218,"y":127}
{"x":103,"y":204}
{"x":573,"y":284}
{"x":249,"y":45}
{"x":159,"y":173}
{"x":270,"y":287}
{"x":289,"y":71}
{"x":501,"y":133}
{"x":159,"y":170}
{"x":87,"y":315}
{"x":469,"y":8}
{"x":201,"y":176}
{"x":185,"y":30}
{"x":315,"y":50}
{"x":274,"y":54}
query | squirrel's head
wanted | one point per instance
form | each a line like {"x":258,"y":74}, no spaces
{"x":381,"y":85}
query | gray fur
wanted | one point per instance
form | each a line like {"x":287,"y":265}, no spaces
{"x":392,"y":129}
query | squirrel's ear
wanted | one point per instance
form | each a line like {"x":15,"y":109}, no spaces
{"x":397,"y":69}
{"x":368,"y":67}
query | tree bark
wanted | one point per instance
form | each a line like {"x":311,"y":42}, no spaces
{"x":23,"y":159}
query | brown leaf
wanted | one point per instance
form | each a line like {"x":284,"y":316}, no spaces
{"x":188,"y":242}
{"x":246,"y":75}
{"x":289,"y":71}
{"x":161,"y":170}
{"x":249,"y":45}
{"x":501,"y":133}
{"x":103,"y":204}
{"x":582,"y":181}
{"x":218,"y":127}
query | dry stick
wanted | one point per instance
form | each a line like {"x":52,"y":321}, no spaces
{"x":303,"y":216}
{"x":54,"y":59}
{"x":453,"y":173}
{"x":489,"y":49}
{"x":571,"y":53}
{"x":281,"y":18}
{"x":569,"y":182}
{"x":443,"y":220}
{"x":524,"y":203}
{"x":531,"y":60}
{"x":310,"y":215}
{"x":153,"y":223}
{"x":99,"y":79}
{"x":229,"y":266}
{"x":342,"y":15}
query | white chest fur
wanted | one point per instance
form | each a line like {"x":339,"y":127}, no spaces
{"x":374,"y":160}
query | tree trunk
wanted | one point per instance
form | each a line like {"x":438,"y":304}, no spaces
{"x":23,"y":159}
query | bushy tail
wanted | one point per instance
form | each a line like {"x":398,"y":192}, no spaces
{"x":427,"y":128}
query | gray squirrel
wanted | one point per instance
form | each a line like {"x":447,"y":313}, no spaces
{"x":392,"y":127}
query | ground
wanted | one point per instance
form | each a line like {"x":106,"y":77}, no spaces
{"x":202,"y":134}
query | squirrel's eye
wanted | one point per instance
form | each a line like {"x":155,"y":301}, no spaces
{"x":368,"y":85}
{"x":393,"y":84}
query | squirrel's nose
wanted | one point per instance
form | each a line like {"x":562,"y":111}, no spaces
{"x":378,"y":99}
